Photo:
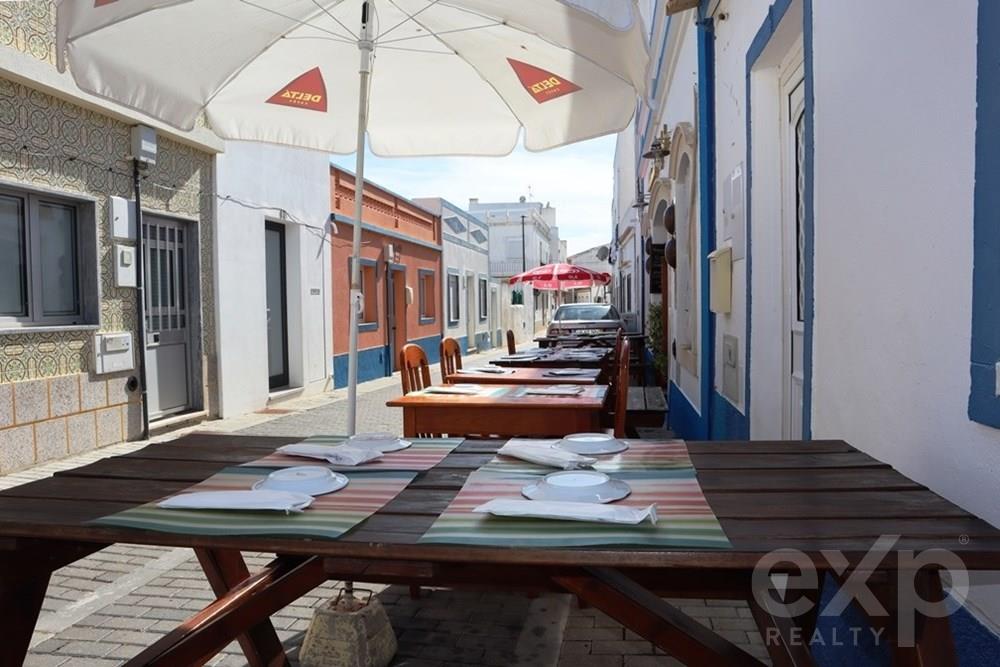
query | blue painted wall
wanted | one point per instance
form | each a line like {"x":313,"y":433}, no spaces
{"x":374,"y":362}
{"x":683,"y":419}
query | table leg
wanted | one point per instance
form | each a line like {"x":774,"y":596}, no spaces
{"x":934,"y":645}
{"x":25,"y":569}
{"x":243,"y":608}
{"x":409,"y":423}
{"x":786,"y":639}
{"x":20,"y":603}
{"x":650,"y":617}
{"x":225,"y":569}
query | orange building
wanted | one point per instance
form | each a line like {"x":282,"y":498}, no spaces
{"x":400,"y":278}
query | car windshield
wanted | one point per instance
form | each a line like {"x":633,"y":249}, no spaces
{"x":588,"y":311}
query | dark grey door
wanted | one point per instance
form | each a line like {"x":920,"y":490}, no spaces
{"x":168,"y":342}
{"x":277,"y":305}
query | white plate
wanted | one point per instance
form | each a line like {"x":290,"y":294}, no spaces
{"x":580,"y":486}
{"x":311,"y":480}
{"x":592,"y":443}
{"x":384,"y":442}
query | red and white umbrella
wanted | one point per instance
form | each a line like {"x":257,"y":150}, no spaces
{"x":561,"y":276}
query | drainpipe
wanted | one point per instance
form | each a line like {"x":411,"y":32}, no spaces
{"x":140,"y":295}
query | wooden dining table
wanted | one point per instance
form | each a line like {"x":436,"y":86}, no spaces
{"x":502,"y":410}
{"x":522,"y":376}
{"x":819,"y":497}
{"x":556,"y":358}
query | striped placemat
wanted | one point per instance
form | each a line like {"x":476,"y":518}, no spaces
{"x":329,"y":516}
{"x":640,"y":455}
{"x":685,"y":518}
{"x":597,"y":391}
{"x":423,"y":454}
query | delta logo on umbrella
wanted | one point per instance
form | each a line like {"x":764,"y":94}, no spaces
{"x":101,"y":3}
{"x":307,"y":91}
{"x":542,"y":84}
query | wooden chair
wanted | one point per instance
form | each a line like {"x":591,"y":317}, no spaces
{"x":511,"y":346}
{"x":621,"y":398}
{"x":413,"y":368}
{"x":451,"y":358}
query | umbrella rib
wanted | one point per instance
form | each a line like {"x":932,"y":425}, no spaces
{"x":349,"y":40}
{"x":409,"y":17}
{"x":339,"y":22}
{"x":443,"y":32}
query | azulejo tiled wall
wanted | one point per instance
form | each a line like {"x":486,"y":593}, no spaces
{"x":56,"y":144}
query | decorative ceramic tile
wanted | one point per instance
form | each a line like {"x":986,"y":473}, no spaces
{"x":50,"y":440}
{"x":109,"y":426}
{"x":64,"y":395}
{"x":17,"y":448}
{"x":31,"y":401}
{"x":93,"y":392}
{"x":82,"y":432}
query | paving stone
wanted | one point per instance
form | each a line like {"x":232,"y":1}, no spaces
{"x":609,"y":633}
{"x":86,"y":649}
{"x":602,"y":647}
{"x":591,"y":661}
{"x":37,"y":660}
{"x":652,"y":661}
{"x":734,"y":624}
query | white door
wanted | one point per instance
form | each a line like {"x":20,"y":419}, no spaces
{"x":167,"y":319}
{"x":793,"y":241}
{"x":494,"y":316}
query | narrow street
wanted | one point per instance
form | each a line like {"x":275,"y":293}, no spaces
{"x":106,"y":608}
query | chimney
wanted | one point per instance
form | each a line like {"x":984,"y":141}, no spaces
{"x":473,"y":201}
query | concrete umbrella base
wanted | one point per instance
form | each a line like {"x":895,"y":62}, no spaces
{"x":348,"y":633}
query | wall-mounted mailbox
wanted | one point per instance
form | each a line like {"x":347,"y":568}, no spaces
{"x":720,"y":276}
{"x":125,"y":265}
{"x":121,"y":218}
{"x":113,"y":352}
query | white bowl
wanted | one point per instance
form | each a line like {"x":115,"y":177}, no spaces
{"x":579,"y":486}
{"x":592,"y":443}
{"x":311,"y":480}
{"x":383,"y":441}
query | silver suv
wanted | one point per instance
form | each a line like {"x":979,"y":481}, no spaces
{"x":585,"y":318}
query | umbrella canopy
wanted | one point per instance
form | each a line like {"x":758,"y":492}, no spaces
{"x":561,"y":276}
{"x":455,"y":77}
{"x":414,"y":77}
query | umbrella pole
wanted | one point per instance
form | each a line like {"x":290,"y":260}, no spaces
{"x":365,"y":46}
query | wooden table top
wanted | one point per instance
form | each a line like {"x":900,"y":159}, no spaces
{"x":521,"y":375}
{"x":556,"y":357}
{"x":767,"y":495}
{"x":592,"y":398}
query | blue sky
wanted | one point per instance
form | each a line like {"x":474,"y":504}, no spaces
{"x":577,"y":180}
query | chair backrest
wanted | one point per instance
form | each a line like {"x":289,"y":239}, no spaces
{"x":451,"y":358}
{"x":621,"y":398}
{"x":413,"y":368}
{"x":511,"y":347}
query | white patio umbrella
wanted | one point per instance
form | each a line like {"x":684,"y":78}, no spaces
{"x":436,"y":77}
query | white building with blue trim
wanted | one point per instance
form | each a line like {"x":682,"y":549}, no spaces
{"x":468,"y":295}
{"x":823,"y":178}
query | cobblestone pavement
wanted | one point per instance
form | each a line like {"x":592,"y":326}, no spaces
{"x":106,"y":608}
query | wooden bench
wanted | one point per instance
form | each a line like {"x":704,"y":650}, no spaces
{"x":646,"y":407}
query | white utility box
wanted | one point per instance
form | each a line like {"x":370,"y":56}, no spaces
{"x":125,"y":265}
{"x":113,"y":352}
{"x":121,"y":218}
{"x":720,"y":267}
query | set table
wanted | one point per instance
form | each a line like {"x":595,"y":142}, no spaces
{"x":557,"y":358}
{"x":502,"y":410}
{"x":809,"y":496}
{"x":524,"y":375}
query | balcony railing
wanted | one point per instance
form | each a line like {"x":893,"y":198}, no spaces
{"x":506,"y":267}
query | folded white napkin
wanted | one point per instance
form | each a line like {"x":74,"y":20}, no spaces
{"x":550,"y":509}
{"x":278,"y":501}
{"x":496,"y":370}
{"x":555,"y":390}
{"x":543,"y":453}
{"x":568,"y":372}
{"x":341,"y":455}
{"x":459,"y":389}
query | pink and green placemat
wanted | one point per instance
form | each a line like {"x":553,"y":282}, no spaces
{"x":423,"y":454}
{"x":329,"y":517}
{"x":685,"y":518}
{"x":640,"y":455}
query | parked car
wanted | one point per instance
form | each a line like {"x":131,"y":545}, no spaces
{"x":585,"y":318}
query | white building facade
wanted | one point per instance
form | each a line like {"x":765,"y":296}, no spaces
{"x":830,"y":233}
{"x":595,"y":259}
{"x":468,"y":294}
{"x":523,"y":235}
{"x":274,"y":314}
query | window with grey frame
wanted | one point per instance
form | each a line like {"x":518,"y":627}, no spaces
{"x":484,"y":291}
{"x":427,"y":293}
{"x":40,"y":260}
{"x":454,"y":306}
